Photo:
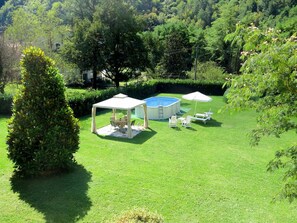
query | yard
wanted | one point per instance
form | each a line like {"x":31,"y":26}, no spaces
{"x":207,"y":173}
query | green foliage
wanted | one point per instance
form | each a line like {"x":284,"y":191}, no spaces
{"x":42,"y":132}
{"x":186,"y":86}
{"x":211,"y":25}
{"x":217,"y":48}
{"x":108,"y":41}
{"x":286,"y":159}
{"x":138,"y":215}
{"x":177,"y":57}
{"x":6,"y":103}
{"x":268,"y":84}
{"x":34,"y":21}
{"x":81,"y":101}
{"x":9,"y":54}
{"x":173,"y":48}
{"x":84,"y":48}
{"x":208,"y":71}
{"x":2,"y":83}
{"x":124,"y":54}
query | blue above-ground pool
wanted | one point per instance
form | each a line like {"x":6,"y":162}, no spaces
{"x":159,"y":107}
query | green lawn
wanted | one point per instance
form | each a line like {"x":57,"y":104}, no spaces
{"x":207,"y":173}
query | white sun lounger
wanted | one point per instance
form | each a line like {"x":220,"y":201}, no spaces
{"x":206,"y":116}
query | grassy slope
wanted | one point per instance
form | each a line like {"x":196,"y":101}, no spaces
{"x":207,"y":173}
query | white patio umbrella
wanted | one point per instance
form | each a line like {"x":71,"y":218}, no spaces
{"x":197,"y":96}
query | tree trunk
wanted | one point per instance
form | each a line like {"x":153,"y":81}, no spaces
{"x":94,"y":81}
{"x":117,"y":82}
{"x":117,"y":78}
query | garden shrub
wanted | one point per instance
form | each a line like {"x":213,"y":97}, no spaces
{"x":187,"y":86}
{"x":42,"y":132}
{"x":139,"y":215}
{"x":5,"y":104}
{"x":82,"y":103}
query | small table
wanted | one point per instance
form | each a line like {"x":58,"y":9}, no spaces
{"x":181,"y":119}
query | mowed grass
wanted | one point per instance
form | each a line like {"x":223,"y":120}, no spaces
{"x":206,"y":173}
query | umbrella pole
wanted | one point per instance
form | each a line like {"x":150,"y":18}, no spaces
{"x":195,"y":108}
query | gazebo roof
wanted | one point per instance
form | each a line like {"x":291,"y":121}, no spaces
{"x":120,"y":101}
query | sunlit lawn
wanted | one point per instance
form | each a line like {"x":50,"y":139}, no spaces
{"x":207,"y":173}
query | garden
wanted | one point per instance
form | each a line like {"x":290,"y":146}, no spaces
{"x":206,"y":173}
{"x":235,"y":161}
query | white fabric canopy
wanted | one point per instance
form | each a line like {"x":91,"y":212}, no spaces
{"x":120,"y":101}
{"x":123,"y":102}
{"x":197,"y":96}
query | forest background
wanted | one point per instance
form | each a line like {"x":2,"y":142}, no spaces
{"x":170,"y":37}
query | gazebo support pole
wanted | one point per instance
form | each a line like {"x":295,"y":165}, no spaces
{"x":145,"y":116}
{"x":93,"y":128}
{"x":129,"y":131}
{"x":114,"y":113}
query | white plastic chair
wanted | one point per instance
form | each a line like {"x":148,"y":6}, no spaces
{"x":187,"y":122}
{"x":173,"y":121}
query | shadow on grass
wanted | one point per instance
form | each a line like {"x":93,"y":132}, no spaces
{"x":61,"y":198}
{"x":177,"y":128}
{"x":190,"y":128}
{"x":141,"y":138}
{"x":210,"y":123}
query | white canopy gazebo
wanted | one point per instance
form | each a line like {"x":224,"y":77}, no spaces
{"x":122,"y":102}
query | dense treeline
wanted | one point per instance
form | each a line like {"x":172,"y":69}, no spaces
{"x":166,"y":37}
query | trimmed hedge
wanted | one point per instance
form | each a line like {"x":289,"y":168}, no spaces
{"x":187,"y":86}
{"x":81,"y":103}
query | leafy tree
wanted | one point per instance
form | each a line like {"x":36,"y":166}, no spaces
{"x":287,"y":21}
{"x":9,"y":54}
{"x":109,"y":42}
{"x":219,"y":50}
{"x":42,"y":132}
{"x":177,"y":57}
{"x":37,"y":24}
{"x":268,"y":84}
{"x":84,"y":48}
{"x":155,"y":51}
{"x":124,"y":54}
{"x":79,"y":10}
{"x":6,"y":12}
{"x":2,"y":78}
{"x":177,"y":50}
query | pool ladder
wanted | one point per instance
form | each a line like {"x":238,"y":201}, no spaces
{"x":161,"y":112}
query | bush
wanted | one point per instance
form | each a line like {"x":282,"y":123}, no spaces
{"x":6,"y":103}
{"x":82,"y":103}
{"x":187,"y":86}
{"x":139,"y":215}
{"x":42,"y":132}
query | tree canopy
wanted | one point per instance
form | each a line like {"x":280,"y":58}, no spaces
{"x":109,"y":42}
{"x":211,"y":26}
{"x":268,"y":84}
